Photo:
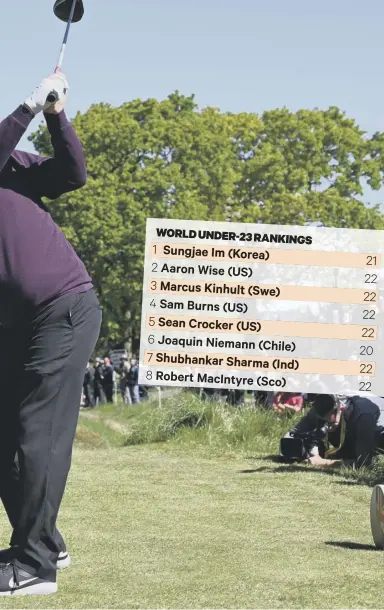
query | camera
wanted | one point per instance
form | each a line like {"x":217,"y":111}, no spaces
{"x":296,"y":446}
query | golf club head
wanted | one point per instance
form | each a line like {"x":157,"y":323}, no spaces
{"x":62,"y":10}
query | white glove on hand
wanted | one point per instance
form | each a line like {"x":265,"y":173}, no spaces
{"x":37,"y":101}
{"x":57,"y":107}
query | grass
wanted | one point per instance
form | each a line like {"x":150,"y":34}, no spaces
{"x":160,"y":516}
{"x":184,"y":420}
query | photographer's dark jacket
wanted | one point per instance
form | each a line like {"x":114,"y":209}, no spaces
{"x":37,"y":264}
{"x":364,"y":419}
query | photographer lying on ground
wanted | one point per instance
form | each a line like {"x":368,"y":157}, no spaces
{"x":337,"y":430}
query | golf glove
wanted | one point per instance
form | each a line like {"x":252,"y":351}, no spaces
{"x":37,"y":101}
{"x":56,"y":107}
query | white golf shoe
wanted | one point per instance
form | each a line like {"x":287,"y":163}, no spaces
{"x":64,"y":560}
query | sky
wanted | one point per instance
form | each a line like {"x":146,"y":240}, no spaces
{"x":236,"y":55}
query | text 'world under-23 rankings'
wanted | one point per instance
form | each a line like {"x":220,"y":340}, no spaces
{"x":262,"y":307}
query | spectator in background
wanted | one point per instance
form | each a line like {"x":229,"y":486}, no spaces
{"x":210,"y":394}
{"x":89,"y":386}
{"x":98,"y":383}
{"x":236,"y":398}
{"x":288,"y":402}
{"x":261,"y":398}
{"x":133,"y":393}
{"x":123,"y":372}
{"x":108,"y":378}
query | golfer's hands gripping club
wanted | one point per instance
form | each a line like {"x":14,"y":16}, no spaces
{"x":37,"y":101}
{"x":56,"y":99}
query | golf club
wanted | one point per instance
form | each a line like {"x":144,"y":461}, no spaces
{"x":70,"y":11}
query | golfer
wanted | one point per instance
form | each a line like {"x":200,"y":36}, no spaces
{"x":49,"y":325}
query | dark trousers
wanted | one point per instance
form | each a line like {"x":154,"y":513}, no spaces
{"x":99,"y":394}
{"x":89,"y":393}
{"x":108,"y":390}
{"x":42,"y":367}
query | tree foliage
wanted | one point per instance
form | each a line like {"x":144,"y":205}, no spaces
{"x":170,"y":159}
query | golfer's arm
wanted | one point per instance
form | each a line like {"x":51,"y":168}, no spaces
{"x":66,"y":171}
{"x":12,"y":130}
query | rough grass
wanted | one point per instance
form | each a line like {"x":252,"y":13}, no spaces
{"x":185,"y":419}
{"x":371,"y":476}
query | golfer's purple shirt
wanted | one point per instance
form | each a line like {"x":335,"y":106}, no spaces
{"x":37,"y":264}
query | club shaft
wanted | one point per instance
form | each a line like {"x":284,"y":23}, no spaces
{"x":61,"y":57}
{"x":63,"y":46}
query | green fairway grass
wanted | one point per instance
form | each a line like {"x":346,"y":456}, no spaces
{"x":177,"y":524}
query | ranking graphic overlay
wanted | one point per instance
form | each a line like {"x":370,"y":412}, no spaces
{"x":262,"y":307}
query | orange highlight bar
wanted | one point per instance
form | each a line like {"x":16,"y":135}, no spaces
{"x":259,"y":363}
{"x":251,"y":290}
{"x":245,"y":326}
{"x":272,"y":256}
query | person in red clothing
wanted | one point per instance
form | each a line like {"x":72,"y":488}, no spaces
{"x":288,"y":402}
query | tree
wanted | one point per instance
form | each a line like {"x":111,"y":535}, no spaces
{"x":169,"y":159}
